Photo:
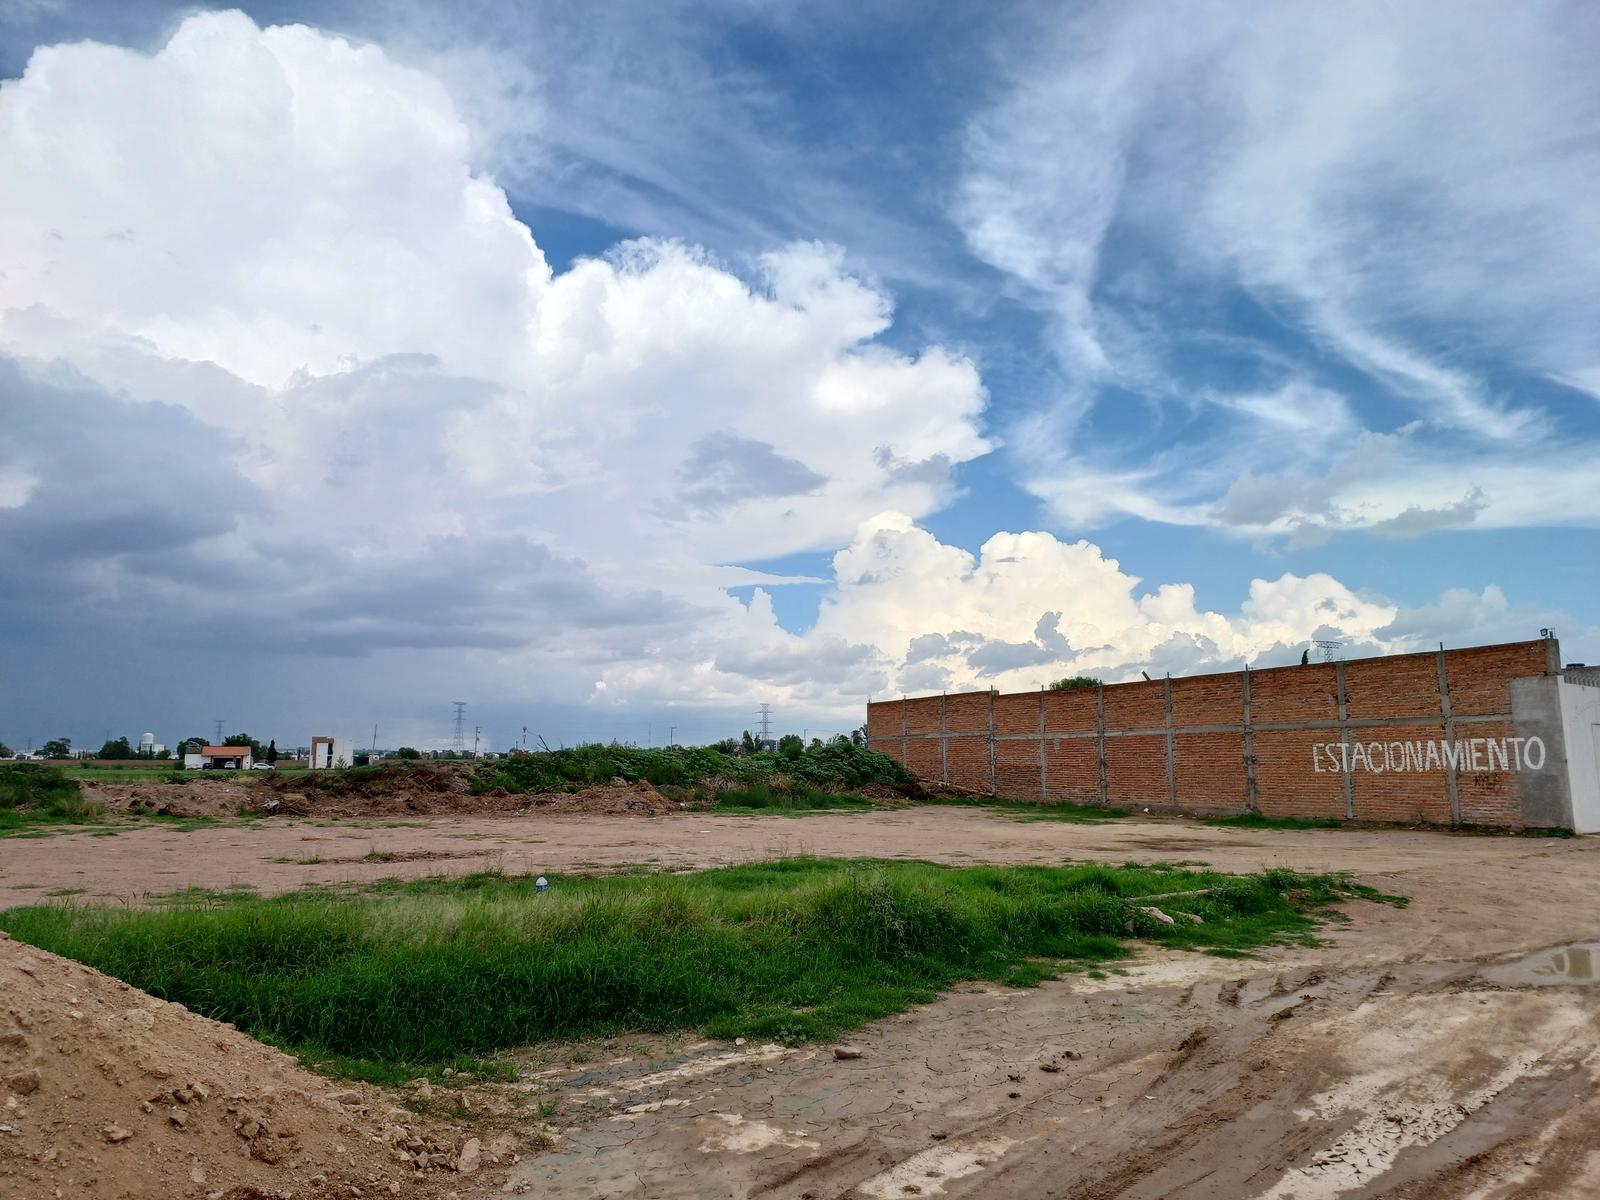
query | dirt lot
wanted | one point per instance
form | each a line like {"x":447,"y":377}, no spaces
{"x":1448,"y":1049}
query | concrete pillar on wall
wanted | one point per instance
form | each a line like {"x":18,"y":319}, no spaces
{"x":993,"y":781}
{"x":1172,"y":749}
{"x":1100,"y":742}
{"x":944,"y":736}
{"x":1250,"y":801}
{"x":1044,"y":761}
{"x":1344,"y":736}
{"x":905,"y":750}
{"x":1452,"y":783}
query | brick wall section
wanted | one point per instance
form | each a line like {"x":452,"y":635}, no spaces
{"x":1480,"y":678}
{"x":1136,"y":770}
{"x":922,"y":714}
{"x":1487,"y":797}
{"x":1070,"y":712}
{"x":1211,"y":774}
{"x":1406,"y":685}
{"x":968,"y":712}
{"x":1017,"y":712}
{"x":1208,"y":700}
{"x":1072,"y":769}
{"x":1402,"y":796}
{"x":990,"y":741}
{"x":922,"y":758}
{"x":969,"y":764}
{"x":1017,"y":766}
{"x":1285,"y":694}
{"x":1135,"y":706}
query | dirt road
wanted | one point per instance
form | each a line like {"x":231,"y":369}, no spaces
{"x":1448,"y":1049}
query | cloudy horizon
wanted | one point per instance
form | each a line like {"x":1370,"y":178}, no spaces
{"x":619,"y":371}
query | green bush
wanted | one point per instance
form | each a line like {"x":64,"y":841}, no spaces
{"x":836,"y":764}
{"x":35,"y":794}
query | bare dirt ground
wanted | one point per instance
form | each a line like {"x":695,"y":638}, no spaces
{"x":112,"y":1093}
{"x":1448,"y":1049}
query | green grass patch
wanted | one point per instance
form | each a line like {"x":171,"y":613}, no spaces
{"x":33,"y":795}
{"x":427,"y":971}
{"x":759,"y":798}
{"x":1254,"y":820}
{"x":1028,"y":810}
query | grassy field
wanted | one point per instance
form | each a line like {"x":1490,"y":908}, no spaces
{"x":425,"y":972}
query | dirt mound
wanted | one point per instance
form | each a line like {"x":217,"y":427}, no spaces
{"x":390,"y":789}
{"x":200,"y":798}
{"x":109,"y":1092}
{"x":438,"y":789}
{"x":618,"y":798}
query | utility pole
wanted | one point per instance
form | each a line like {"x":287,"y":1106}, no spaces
{"x":477,"y":731}
{"x":524,"y":737}
{"x":672,"y":735}
{"x":461,"y":727}
{"x":374,"y":737}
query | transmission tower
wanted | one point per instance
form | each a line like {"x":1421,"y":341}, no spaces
{"x":1329,"y":648}
{"x":218,"y":723}
{"x":461,"y":726}
{"x":766,"y":722}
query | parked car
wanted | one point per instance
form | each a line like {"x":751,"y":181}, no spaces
{"x":262,"y":767}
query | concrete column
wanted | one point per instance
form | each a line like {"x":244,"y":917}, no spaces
{"x":1044,"y":762}
{"x":993,"y":781}
{"x":1344,"y":736}
{"x":1172,"y":749}
{"x":1251,"y":803}
{"x":1100,"y":742}
{"x":1452,"y":785}
{"x":944,"y":736}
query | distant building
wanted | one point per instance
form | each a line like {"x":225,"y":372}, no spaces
{"x":330,"y":752}
{"x":219,"y":758}
{"x":149,"y":747}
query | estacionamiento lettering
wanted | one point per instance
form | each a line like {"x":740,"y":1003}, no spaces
{"x":1474,"y":755}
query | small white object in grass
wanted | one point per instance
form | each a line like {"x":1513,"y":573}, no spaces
{"x":541,"y":885}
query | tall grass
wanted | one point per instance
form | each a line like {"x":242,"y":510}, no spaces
{"x":759,"y":797}
{"x":432,"y":970}
{"x":35,"y":794}
{"x":838,"y":763}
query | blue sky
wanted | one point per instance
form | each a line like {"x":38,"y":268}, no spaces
{"x":626,"y":367}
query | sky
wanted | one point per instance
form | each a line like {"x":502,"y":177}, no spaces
{"x":617,"y":369}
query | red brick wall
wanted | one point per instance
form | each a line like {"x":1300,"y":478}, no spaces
{"x":990,"y":740}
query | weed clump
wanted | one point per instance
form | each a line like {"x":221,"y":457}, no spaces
{"x":37,"y":794}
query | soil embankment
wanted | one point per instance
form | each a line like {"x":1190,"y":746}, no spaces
{"x":111,"y":1093}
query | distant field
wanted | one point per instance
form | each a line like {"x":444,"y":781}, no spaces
{"x":101,"y":771}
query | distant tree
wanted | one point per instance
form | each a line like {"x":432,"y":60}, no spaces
{"x":243,"y":739}
{"x":726,"y":746}
{"x":816,"y":744}
{"x":747,"y":743}
{"x":117,"y":748}
{"x":858,"y":735}
{"x":408,"y":752}
{"x":6,"y":751}
{"x":1073,"y":683}
{"x":272,"y":751}
{"x":791,"y":746}
{"x":57,"y":748}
